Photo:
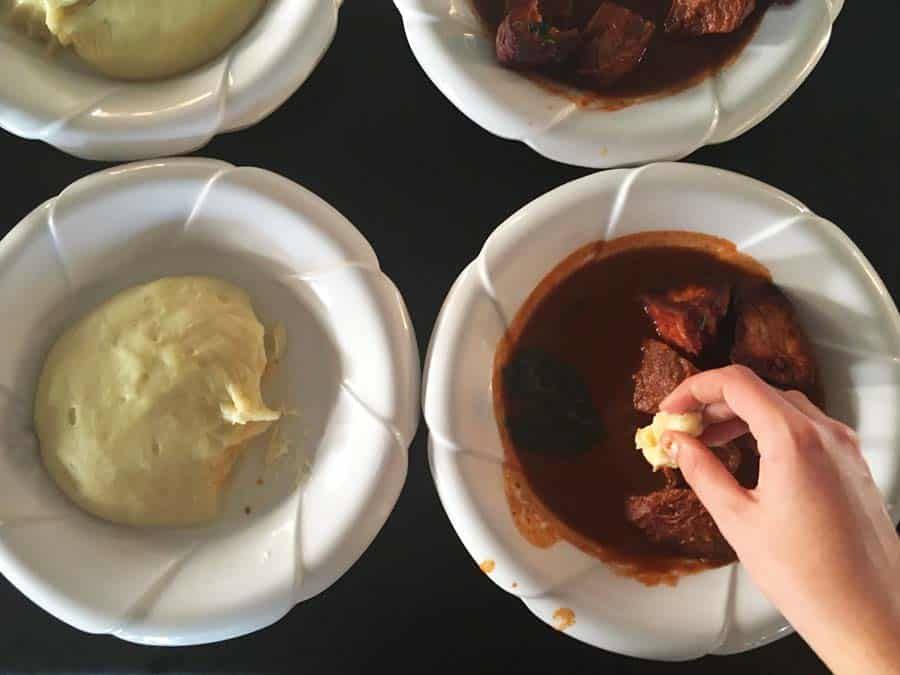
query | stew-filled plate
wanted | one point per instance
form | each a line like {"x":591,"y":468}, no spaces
{"x":107,"y":544}
{"x":554,"y":502}
{"x":602,"y":83}
{"x":124,"y":80}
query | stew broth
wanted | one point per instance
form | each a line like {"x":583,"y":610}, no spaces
{"x":587,"y":315}
{"x":671,"y":63}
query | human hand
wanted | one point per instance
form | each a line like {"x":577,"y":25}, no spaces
{"x":814,"y":534}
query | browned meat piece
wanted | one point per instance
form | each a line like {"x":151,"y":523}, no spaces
{"x":616,"y":41}
{"x":769,"y":340}
{"x":525,"y":39}
{"x":661,"y":370}
{"x":730,"y":454}
{"x":676,"y":518}
{"x":701,"y":17}
{"x":688,"y":317}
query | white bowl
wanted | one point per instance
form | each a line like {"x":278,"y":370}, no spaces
{"x":59,"y":100}
{"x":854,"y":325}
{"x":351,"y":370}
{"x":457,"y":53}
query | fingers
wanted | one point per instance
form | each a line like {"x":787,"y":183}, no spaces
{"x":767,"y":414}
{"x":723,"y":432}
{"x":800,"y":401}
{"x":717,"y":412}
{"x":838,"y":430}
{"x":720,"y":493}
{"x":723,"y":426}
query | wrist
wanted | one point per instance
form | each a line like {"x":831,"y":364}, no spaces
{"x":864,"y":643}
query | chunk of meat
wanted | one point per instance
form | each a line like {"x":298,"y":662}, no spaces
{"x":675,"y":518}
{"x":688,"y":317}
{"x":729,"y":454}
{"x":702,"y":17}
{"x":769,"y":339}
{"x":661,"y":370}
{"x":616,"y":39}
{"x":526,"y":39}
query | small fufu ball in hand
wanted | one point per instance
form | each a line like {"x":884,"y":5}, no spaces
{"x":648,"y":439}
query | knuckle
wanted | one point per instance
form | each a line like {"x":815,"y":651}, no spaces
{"x":844,"y":434}
{"x":748,"y":379}
{"x":804,"y":435}
{"x":742,"y":372}
{"x":797,"y":396}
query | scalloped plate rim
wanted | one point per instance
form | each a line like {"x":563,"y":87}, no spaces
{"x":558,"y":198}
{"x":260,"y":110}
{"x":418,"y":15}
{"x":54,"y":599}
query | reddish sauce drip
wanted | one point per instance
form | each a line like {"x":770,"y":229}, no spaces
{"x":671,"y":63}
{"x":586,"y":313}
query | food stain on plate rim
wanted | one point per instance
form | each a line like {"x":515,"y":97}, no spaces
{"x":563,"y":619}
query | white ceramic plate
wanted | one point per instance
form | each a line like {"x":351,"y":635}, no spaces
{"x":351,"y":370}
{"x":60,"y":101}
{"x":842,"y":302}
{"x":457,"y":53}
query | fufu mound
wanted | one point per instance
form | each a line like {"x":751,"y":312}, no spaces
{"x":142,"y":39}
{"x":143,"y":404}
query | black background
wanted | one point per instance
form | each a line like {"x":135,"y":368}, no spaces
{"x":371,"y":135}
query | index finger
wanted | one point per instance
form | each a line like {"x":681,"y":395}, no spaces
{"x":751,"y":399}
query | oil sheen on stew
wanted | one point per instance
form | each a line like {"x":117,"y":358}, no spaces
{"x":671,"y":63}
{"x":586,"y":315}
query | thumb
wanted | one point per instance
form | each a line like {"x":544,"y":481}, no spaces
{"x":720,"y":493}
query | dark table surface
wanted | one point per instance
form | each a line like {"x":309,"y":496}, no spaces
{"x":372,"y":136}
